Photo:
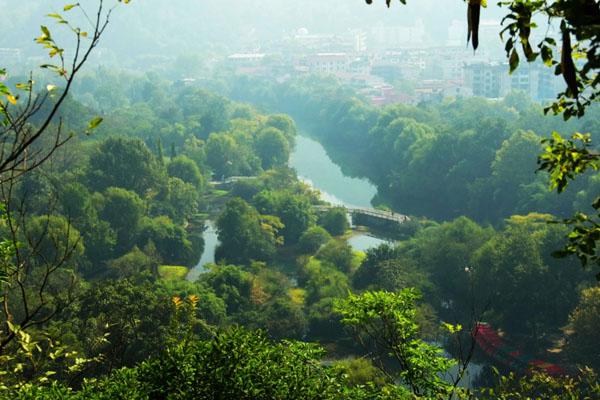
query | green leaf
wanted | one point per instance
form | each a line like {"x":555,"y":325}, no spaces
{"x":70,"y":6}
{"x":46,"y":32}
{"x":95,"y":123}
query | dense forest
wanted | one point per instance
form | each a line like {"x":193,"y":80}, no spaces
{"x":101,"y":237}
{"x":440,"y":160}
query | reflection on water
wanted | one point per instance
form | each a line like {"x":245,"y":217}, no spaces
{"x":363,"y":242}
{"x":313,"y":165}
{"x":211,"y":241}
{"x":325,"y":196}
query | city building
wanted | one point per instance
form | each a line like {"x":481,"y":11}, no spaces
{"x":328,"y":63}
{"x":486,"y":79}
{"x":492,"y":80}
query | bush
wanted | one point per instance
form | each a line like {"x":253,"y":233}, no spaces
{"x":312,"y":240}
{"x":335,"y":221}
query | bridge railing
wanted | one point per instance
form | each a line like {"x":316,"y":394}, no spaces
{"x":381,"y":214}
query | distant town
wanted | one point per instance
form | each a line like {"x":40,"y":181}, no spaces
{"x":386,"y":64}
{"x":391,"y":65}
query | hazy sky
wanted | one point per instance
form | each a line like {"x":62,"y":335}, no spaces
{"x":180,"y":26}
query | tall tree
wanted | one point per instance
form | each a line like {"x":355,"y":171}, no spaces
{"x":245,"y":235}
{"x":125,"y":163}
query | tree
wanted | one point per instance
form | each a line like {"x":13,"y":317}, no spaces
{"x":232,"y":284}
{"x":52,"y":237}
{"x":179,"y":200}
{"x":123,"y":210}
{"x":222,"y":155}
{"x":337,"y":253}
{"x":133,"y":318}
{"x":245,"y":235}
{"x":170,"y":240}
{"x":446,"y":252}
{"x":27,"y":117}
{"x":386,"y":324}
{"x":563,"y":158}
{"x":185,"y":169}
{"x":323,"y":280}
{"x":294,"y":211}
{"x":511,"y":272}
{"x":242,"y":364}
{"x":312,"y":239}
{"x":125,"y":163}
{"x":335,"y":221}
{"x":584,"y":322}
{"x":283,"y":123}
{"x":78,"y":205}
{"x":272,"y":147}
{"x":584,"y":385}
{"x":366,"y":274}
{"x":19,"y":153}
{"x":134,"y":263}
{"x":284,"y":320}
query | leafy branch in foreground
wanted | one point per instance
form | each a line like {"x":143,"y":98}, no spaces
{"x":576,"y":57}
{"x":384,"y":323}
{"x":18,"y":136}
{"x":564,"y":159}
{"x":36,"y":281}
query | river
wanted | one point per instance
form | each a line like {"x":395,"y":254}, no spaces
{"x":313,"y":166}
{"x":211,"y":241}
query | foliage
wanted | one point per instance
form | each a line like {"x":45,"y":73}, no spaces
{"x":22,"y":106}
{"x":232,"y":284}
{"x":577,"y":19}
{"x":170,"y":241}
{"x":442,"y":160}
{"x":134,"y":263}
{"x":323,"y":280}
{"x":245,"y":235}
{"x":241,"y":364}
{"x":386,"y":323}
{"x":120,"y":322}
{"x":541,"y":386}
{"x":125,"y":163}
{"x":312,"y":239}
{"x":51,"y":237}
{"x":514,"y":274}
{"x":335,"y":221}
{"x":564,"y":159}
{"x":584,"y":323}
{"x":123,"y":210}
{"x":338,"y":254}
{"x":172,"y":272}
{"x":294,"y":211}
{"x":185,"y":169}
{"x":361,"y":371}
{"x":272,"y":147}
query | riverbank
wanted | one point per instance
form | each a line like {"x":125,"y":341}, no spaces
{"x":314,"y":167}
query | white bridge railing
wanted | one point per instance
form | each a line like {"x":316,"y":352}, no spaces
{"x":371,"y":212}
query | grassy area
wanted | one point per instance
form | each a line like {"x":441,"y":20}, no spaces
{"x":172,"y":272}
